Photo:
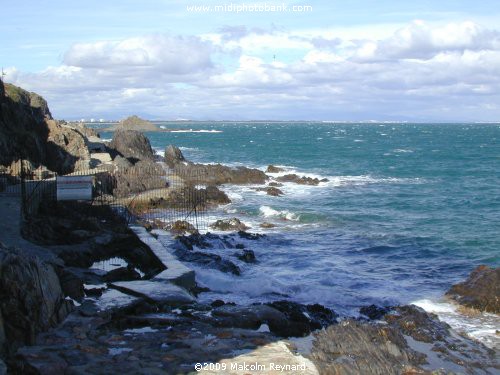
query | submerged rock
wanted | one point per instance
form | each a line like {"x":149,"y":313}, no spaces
{"x":480,"y":291}
{"x":247,"y":256}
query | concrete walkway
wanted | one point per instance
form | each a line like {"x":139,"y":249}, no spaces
{"x":10,"y":230}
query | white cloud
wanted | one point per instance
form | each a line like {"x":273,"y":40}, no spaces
{"x":419,"y":71}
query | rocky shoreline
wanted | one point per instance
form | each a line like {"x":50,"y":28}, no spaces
{"x":108,"y":297}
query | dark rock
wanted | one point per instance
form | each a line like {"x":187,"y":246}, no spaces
{"x":248,"y":256}
{"x":71,"y":284}
{"x":31,"y":299}
{"x":132,"y":145}
{"x":275,"y":184}
{"x":217,"y":303}
{"x":303,"y":318}
{"x":267,"y":225}
{"x":233,"y":224}
{"x":251,"y":236}
{"x":273,"y":191}
{"x":374,"y":312}
{"x":122,"y":274}
{"x":94,"y":292}
{"x":250,"y":317}
{"x":210,"y":260}
{"x":480,"y":291}
{"x":272,"y":169}
{"x":300,"y":180}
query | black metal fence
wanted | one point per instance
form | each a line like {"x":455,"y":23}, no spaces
{"x":165,"y":198}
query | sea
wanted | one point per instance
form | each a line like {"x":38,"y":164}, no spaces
{"x":407,"y":211}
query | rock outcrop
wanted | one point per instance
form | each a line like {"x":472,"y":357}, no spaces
{"x":31,"y":299}
{"x":481,"y":291}
{"x":212,"y":174}
{"x":300,"y":180}
{"x":233,"y":224}
{"x":135,"y":123}
{"x":28,"y":131}
{"x":132,"y":145}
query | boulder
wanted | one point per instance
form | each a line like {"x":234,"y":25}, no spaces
{"x":480,"y":291}
{"x":31,"y":298}
{"x":173,"y":156}
{"x":233,"y":224}
{"x":132,"y":145}
{"x":374,"y":312}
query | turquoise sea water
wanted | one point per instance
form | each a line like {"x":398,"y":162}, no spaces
{"x":408,"y":209}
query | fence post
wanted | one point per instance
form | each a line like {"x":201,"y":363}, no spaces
{"x":23,"y":191}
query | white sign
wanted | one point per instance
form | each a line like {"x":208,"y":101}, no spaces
{"x":74,"y":188}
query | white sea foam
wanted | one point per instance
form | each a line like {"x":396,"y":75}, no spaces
{"x":402,"y":151}
{"x":482,"y":327}
{"x":267,"y":211}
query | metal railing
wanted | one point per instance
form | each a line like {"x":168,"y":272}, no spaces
{"x":162,"y":197}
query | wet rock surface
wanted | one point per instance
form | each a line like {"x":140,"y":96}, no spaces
{"x":271,"y":190}
{"x":408,"y":340}
{"x":233,"y":224}
{"x":300,"y":180}
{"x":480,"y":291}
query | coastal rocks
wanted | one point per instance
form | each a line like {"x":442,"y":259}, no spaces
{"x":31,"y":299}
{"x":136,"y":123}
{"x":132,"y":145}
{"x":27,"y":131}
{"x":211,"y":174}
{"x":284,"y":318}
{"x":247,"y":256}
{"x":209,"y":260}
{"x":300,"y":180}
{"x":302,"y":319}
{"x":173,"y":156}
{"x":374,"y":312}
{"x":272,"y":169}
{"x":142,"y":176}
{"x":480,"y":291}
{"x":355,"y":348}
{"x":67,"y":149}
{"x":233,"y":224}
{"x":271,"y":190}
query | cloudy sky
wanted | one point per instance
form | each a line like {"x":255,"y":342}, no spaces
{"x":353,"y":60}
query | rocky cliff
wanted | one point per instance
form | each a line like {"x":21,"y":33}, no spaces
{"x":28,"y":131}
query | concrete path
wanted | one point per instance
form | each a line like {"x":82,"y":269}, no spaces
{"x":10,"y":230}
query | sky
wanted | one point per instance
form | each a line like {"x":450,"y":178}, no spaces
{"x":358,"y":60}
